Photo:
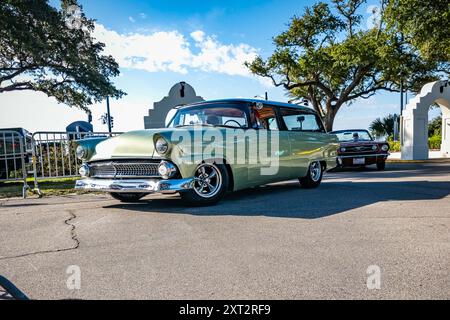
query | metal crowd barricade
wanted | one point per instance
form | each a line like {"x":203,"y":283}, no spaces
{"x":14,"y":158}
{"x":54,"y":154}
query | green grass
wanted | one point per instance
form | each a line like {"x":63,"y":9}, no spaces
{"x":48,"y":187}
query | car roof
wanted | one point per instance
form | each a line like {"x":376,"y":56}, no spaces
{"x":242,"y":100}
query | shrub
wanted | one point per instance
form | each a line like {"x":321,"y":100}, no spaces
{"x":394,"y":146}
{"x":434,"y":142}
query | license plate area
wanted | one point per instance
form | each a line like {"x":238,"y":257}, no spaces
{"x":359,"y":160}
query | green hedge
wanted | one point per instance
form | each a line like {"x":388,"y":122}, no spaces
{"x":434,"y":142}
{"x":394,"y":146}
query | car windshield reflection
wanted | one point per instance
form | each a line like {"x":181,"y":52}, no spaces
{"x":353,"y":135}
{"x":220,"y":116}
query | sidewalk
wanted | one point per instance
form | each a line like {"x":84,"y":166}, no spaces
{"x":434,"y":156}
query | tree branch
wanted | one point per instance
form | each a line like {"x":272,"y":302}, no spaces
{"x":17,"y":86}
{"x":373,"y":90}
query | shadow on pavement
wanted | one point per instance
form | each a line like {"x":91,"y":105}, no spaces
{"x":288,"y":200}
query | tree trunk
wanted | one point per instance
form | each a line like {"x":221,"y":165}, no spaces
{"x":329,"y":118}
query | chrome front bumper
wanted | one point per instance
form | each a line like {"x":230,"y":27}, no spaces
{"x":135,"y":186}
{"x":340,"y":159}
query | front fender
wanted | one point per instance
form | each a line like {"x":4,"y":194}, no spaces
{"x":89,"y":144}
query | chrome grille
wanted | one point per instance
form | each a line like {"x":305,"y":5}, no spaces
{"x":367,"y":148}
{"x":123,"y":169}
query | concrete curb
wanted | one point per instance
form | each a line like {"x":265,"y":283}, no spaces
{"x":443,"y":160}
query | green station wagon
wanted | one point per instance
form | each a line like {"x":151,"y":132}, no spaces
{"x":210,"y":148}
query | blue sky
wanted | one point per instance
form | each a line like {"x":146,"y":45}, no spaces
{"x":183,"y":41}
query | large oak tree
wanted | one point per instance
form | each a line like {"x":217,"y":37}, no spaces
{"x":330,"y":57}
{"x":52,"y":51}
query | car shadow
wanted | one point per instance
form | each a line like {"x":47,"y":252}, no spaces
{"x":393,"y":170}
{"x":288,"y":200}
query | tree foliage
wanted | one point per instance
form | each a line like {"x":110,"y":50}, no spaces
{"x":383,"y":127}
{"x":327,"y":56}
{"x":435,"y":127}
{"x":52,"y":51}
{"x":424,"y":24}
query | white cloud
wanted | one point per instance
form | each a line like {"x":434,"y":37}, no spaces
{"x":171,"y":51}
{"x":217,"y":57}
{"x":143,"y":15}
{"x":198,"y":35}
{"x":131,"y":19}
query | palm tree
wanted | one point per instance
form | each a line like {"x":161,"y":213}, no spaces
{"x":383,"y":127}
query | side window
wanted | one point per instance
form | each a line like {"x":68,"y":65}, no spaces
{"x":297,"y":120}
{"x":263,"y":118}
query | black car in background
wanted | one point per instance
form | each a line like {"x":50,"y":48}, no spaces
{"x":12,"y":151}
{"x":358,"y":149}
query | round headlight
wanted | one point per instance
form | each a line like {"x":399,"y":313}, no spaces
{"x":374,"y":147}
{"x":385,"y":147}
{"x":80,"y":152}
{"x":343,"y":149}
{"x":84,"y":170}
{"x":161,"y":145}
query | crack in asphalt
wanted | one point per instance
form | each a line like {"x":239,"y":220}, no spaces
{"x":72,"y":234}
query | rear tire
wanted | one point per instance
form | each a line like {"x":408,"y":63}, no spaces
{"x":210,"y":185}
{"x":381,"y":165}
{"x":128,"y":197}
{"x":314,"y":176}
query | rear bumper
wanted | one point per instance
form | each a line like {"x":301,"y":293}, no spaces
{"x":135,"y":186}
{"x":347,"y":160}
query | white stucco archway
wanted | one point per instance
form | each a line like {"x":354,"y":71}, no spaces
{"x":414,"y":134}
{"x":180,"y":94}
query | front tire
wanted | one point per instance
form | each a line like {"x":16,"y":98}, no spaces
{"x":211,"y":182}
{"x":314,"y":176}
{"x":381,"y":165}
{"x":128,"y":197}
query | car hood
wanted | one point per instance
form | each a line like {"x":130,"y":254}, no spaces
{"x":138,"y":144}
{"x":358,"y":143}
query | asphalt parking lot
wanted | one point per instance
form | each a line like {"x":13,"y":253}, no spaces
{"x":273,"y":242}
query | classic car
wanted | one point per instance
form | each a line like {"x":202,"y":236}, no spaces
{"x":358,"y":148}
{"x":15,"y":145}
{"x":209,"y":148}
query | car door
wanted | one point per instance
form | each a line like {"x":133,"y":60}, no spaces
{"x":305,"y":132}
{"x":273,"y":146}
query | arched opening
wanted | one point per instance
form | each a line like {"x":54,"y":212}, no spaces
{"x":414,"y":138}
{"x":444,"y":105}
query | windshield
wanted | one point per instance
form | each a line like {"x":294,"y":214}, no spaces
{"x":212,"y":115}
{"x":353,"y":135}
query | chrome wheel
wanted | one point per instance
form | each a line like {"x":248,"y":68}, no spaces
{"x":207,"y":180}
{"x":315,"y":170}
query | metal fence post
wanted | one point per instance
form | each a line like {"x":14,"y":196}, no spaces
{"x":60,"y":145}
{"x":34,"y":160}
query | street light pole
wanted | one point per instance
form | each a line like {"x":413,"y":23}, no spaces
{"x":108,"y":114}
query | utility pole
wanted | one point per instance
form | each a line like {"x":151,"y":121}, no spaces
{"x":401,"y":97}
{"x":396,"y":118}
{"x":108,"y":114}
{"x":266,"y":96}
